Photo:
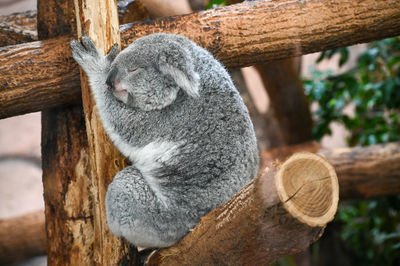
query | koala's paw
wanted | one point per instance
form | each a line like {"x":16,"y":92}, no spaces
{"x":88,"y":57}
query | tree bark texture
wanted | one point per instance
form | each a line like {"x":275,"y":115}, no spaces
{"x":281,"y":212}
{"x":288,"y":101}
{"x":67,"y":187}
{"x":99,"y":20}
{"x":22,"y":237}
{"x":363,"y":172}
{"x":239,"y":35}
{"x":18,"y":28}
{"x":66,"y":179}
{"x":367,"y":172}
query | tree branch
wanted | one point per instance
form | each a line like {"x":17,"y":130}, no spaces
{"x":363,"y":172}
{"x":238,"y":35}
{"x":280,"y":213}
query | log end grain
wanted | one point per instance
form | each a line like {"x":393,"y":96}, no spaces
{"x":307,"y":185}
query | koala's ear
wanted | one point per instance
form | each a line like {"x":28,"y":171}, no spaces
{"x":176,"y":62}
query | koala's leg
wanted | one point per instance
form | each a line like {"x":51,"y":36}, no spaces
{"x":134,"y":212}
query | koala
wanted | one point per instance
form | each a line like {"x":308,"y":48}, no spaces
{"x":174,"y":112}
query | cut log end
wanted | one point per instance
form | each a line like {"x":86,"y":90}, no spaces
{"x":308,"y":187}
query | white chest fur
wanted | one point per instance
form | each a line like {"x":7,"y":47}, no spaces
{"x":149,"y":159}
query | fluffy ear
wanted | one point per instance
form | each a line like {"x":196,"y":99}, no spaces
{"x":175,"y":61}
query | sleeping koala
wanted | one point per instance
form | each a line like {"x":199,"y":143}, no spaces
{"x":172,"y":109}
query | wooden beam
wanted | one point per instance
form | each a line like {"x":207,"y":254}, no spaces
{"x":239,"y":35}
{"x":99,"y":20}
{"x":367,"y":172}
{"x":22,"y":237}
{"x":363,"y":172}
{"x":280,"y":213}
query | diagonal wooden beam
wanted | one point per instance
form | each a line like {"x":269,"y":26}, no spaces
{"x":239,"y":35}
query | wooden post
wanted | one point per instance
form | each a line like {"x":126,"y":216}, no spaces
{"x":66,"y":180}
{"x":99,"y":20}
{"x":280,"y":213}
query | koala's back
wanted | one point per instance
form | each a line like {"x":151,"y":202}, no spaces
{"x":218,"y":153}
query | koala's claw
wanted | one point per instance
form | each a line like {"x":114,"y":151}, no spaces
{"x":77,"y":50}
{"x":89,"y":45}
{"x":113,"y":52}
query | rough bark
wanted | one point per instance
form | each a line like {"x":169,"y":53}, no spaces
{"x":363,"y":172}
{"x":99,"y":20}
{"x":291,"y":108}
{"x":36,"y":76}
{"x":235,"y":34}
{"x":66,"y":180}
{"x":22,"y":237}
{"x":18,"y":28}
{"x":67,"y":186}
{"x":239,"y":36}
{"x":367,"y":172}
{"x":280,"y":213}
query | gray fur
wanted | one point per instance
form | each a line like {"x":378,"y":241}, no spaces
{"x":172,"y":109}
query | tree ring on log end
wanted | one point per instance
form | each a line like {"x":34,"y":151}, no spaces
{"x":308,"y":187}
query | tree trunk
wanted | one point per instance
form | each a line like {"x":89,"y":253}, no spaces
{"x":66,"y":181}
{"x":280,"y":213}
{"x":294,"y":29}
{"x":99,"y":20}
{"x":22,"y":237}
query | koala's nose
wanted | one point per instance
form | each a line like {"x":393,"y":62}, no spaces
{"x":111,"y":77}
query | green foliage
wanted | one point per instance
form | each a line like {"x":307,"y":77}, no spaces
{"x":373,"y":86}
{"x":215,"y":3}
{"x":370,"y":230}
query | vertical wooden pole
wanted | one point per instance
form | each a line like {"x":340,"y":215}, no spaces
{"x":290,"y":105}
{"x":66,"y":181}
{"x":99,"y":20}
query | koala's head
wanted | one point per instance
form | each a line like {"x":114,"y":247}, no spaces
{"x":152,"y":70}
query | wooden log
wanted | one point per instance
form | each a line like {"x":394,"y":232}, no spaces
{"x":366,"y":172}
{"x":132,"y":10}
{"x":363,"y":172}
{"x":235,"y":34}
{"x":291,"y":108}
{"x":22,"y":237}
{"x":18,"y":28}
{"x":65,"y":152}
{"x":239,"y":36}
{"x":99,"y":20}
{"x":280,"y":213}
